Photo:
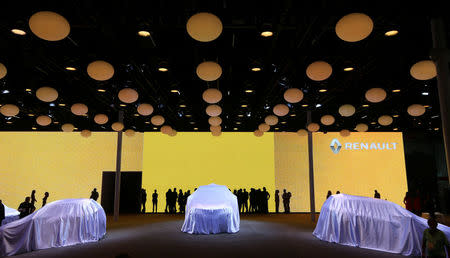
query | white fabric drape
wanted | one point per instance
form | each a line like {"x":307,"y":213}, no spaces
{"x":60,"y":223}
{"x":371,"y":223}
{"x":211,"y":209}
{"x":10,"y":215}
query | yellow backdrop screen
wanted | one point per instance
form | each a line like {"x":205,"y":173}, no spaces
{"x":361,"y":163}
{"x":189,"y":160}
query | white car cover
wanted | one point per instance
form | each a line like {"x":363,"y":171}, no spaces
{"x":371,"y":223}
{"x":59,"y":223}
{"x":10,"y":215}
{"x":211,"y":209}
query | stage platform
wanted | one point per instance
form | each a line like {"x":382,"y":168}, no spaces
{"x":159,"y":235}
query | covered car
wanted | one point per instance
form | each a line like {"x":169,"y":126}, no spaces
{"x":59,"y":223}
{"x":211,"y":209}
{"x":371,"y":223}
{"x":10,"y":215}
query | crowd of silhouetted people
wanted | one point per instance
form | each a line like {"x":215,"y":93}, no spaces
{"x":253,"y":201}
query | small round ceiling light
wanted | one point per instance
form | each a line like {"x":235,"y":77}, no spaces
{"x":319,"y":71}
{"x":204,"y":27}
{"x":67,"y":128}
{"x":101,"y":119}
{"x":86,"y":133}
{"x":362,"y":127}
{"x":79,"y":109}
{"x":215,"y":120}
{"x":313,"y":127}
{"x":212,"y":96}
{"x":19,"y":32}
{"x":327,"y":120}
{"x":281,"y":110}
{"x":144,"y":33}
{"x":416,"y":110}
{"x":157,"y":120}
{"x":354,"y":27}
{"x":117,"y":126}
{"x":375,"y":95}
{"x":264,"y":127}
{"x":391,"y":33}
{"x":43,"y":120}
{"x":145,"y":109}
{"x":213,"y":110}
{"x":293,"y":95}
{"x":128,"y":95}
{"x":100,"y":70}
{"x":346,"y":110}
{"x":49,"y":26}
{"x":385,"y":120}
{"x":344,"y":133}
{"x":47,"y":94}
{"x":3,"y":71}
{"x":423,"y":70}
{"x":209,"y":71}
{"x":271,"y":120}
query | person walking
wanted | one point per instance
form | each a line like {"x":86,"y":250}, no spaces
{"x":155,"y":202}
{"x":277,"y":201}
{"x":33,"y":201}
{"x":434,"y":241}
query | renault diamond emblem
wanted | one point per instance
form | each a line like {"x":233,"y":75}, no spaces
{"x":335,"y":146}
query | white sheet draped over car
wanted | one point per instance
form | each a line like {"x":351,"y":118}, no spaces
{"x":211,"y":209}
{"x":371,"y":223}
{"x":59,"y":223}
{"x":10,"y":215}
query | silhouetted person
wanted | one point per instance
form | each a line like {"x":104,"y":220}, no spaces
{"x":180,"y":200}
{"x":337,"y":192}
{"x":2,"y":212}
{"x":329,"y":194}
{"x":25,"y":208}
{"x":286,"y":199}
{"x":44,"y":200}
{"x":174,"y":200}
{"x":94,"y":194}
{"x":434,"y":241}
{"x":155,"y":202}
{"x":143,"y":199}
{"x":239,"y":199}
{"x":33,"y":201}
{"x":168,"y":200}
{"x":277,"y":201}
{"x":408,"y":201}
{"x":195,"y":189}
{"x":245,"y":201}
{"x":265,"y":201}
{"x":377,"y":195}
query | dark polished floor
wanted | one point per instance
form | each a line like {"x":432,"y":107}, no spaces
{"x":160,"y":236}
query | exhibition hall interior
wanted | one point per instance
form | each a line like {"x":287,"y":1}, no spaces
{"x":218,"y":128}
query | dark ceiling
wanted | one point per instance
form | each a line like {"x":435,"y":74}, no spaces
{"x":303,"y":33}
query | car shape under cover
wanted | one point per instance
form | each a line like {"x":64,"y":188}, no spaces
{"x":373,"y":224}
{"x":211,"y":209}
{"x":59,"y":223}
{"x":10,"y":215}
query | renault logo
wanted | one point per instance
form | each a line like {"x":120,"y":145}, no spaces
{"x":335,"y":146}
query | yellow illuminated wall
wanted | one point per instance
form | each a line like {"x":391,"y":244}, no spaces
{"x":237,"y":160}
{"x":64,"y":164}
{"x":292,"y":170}
{"x":359,"y":171}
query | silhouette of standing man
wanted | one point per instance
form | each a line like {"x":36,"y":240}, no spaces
{"x":2,"y":212}
{"x":44,"y":200}
{"x":33,"y":200}
{"x":285,"y":201}
{"x":25,"y":208}
{"x":168,"y":200}
{"x":155,"y":202}
{"x":377,"y":195}
{"x":277,"y":201}
{"x":265,"y":203}
{"x":94,"y":194}
{"x":143,"y":199}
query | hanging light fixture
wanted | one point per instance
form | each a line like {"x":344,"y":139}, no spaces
{"x":354,"y":27}
{"x":209,"y":71}
{"x":319,"y":71}
{"x":204,"y":27}
{"x":100,"y":70}
{"x":49,"y":26}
